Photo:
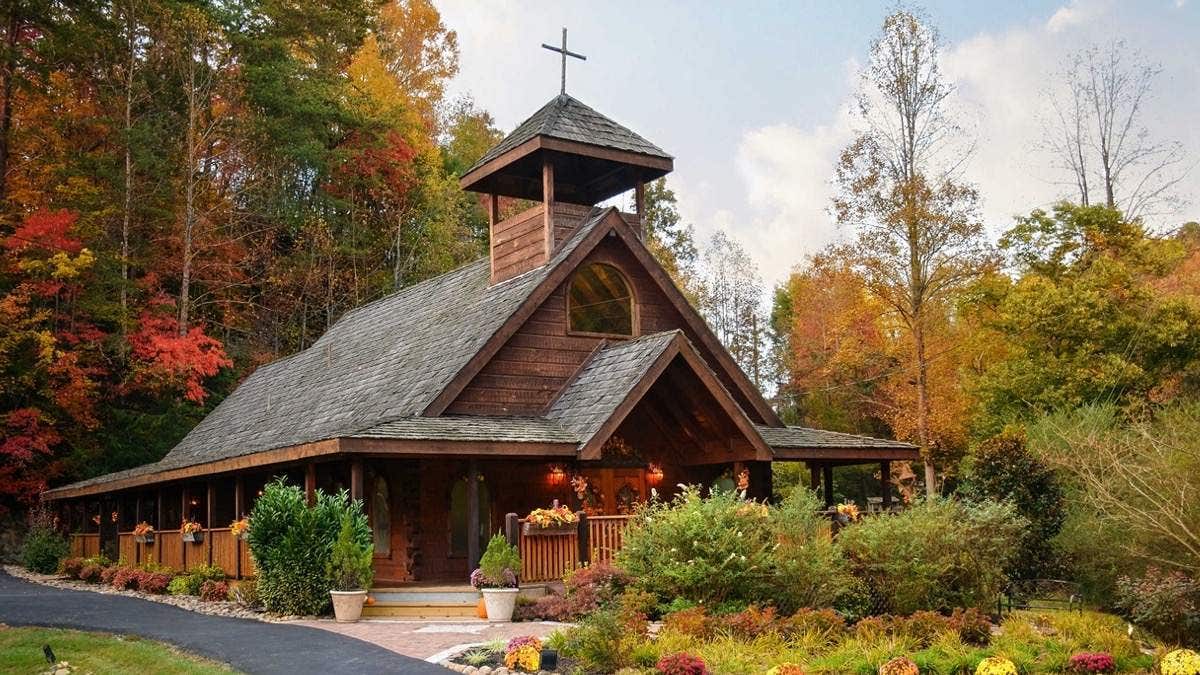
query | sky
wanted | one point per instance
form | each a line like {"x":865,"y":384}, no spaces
{"x":751,"y":98}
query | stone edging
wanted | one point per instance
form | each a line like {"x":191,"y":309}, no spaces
{"x":188,"y":602}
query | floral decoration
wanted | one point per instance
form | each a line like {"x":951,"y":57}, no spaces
{"x":239,"y":527}
{"x":786,"y":669}
{"x":96,"y":519}
{"x":190,"y":527}
{"x":115,"y":516}
{"x":996,"y":665}
{"x":681,"y":664}
{"x":849,"y":510}
{"x":508,"y":579}
{"x":552,"y":517}
{"x":523,"y":653}
{"x":743,"y":480}
{"x":1180,"y":662}
{"x":142,"y":529}
{"x":1092,"y":662}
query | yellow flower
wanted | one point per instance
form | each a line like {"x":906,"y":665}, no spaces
{"x":996,"y":665}
{"x":525,"y":658}
{"x":1180,"y":662}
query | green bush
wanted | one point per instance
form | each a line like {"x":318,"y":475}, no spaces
{"x":44,"y":548}
{"x":498,"y":566}
{"x":1167,"y":603}
{"x":190,"y":582}
{"x":728,"y":553}
{"x":937,"y":555}
{"x":350,"y":564}
{"x":293,"y":543}
{"x":1002,"y":468}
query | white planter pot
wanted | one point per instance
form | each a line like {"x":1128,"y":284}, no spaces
{"x":347,"y":605}
{"x":500,"y":603}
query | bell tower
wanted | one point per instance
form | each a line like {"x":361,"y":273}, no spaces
{"x":567,"y":158}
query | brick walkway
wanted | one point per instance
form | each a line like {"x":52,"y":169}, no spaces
{"x":426,"y":638}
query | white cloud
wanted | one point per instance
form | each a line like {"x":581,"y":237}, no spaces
{"x":1002,"y":79}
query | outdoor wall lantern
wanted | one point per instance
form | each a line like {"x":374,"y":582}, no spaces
{"x":558,"y":475}
{"x":654,"y":472}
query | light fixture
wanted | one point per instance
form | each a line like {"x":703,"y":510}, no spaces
{"x":654,"y":472}
{"x":557,"y":474}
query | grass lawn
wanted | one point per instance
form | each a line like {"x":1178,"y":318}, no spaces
{"x":21,"y":652}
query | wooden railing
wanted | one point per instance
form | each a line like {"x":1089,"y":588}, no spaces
{"x":605,"y":536}
{"x":85,"y":545}
{"x":546,"y":557}
{"x":219,"y":548}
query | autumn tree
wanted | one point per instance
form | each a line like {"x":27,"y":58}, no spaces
{"x":730,"y":301}
{"x":1097,"y":133}
{"x":918,"y":237}
{"x":670,"y":240}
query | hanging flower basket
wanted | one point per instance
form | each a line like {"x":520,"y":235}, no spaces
{"x":191,"y":532}
{"x":143,"y":533}
{"x":147,"y":539}
{"x":531,"y":530}
{"x":193,"y":537}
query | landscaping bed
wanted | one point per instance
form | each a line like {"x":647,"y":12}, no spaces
{"x":21,"y":651}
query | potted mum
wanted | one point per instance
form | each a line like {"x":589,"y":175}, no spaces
{"x":192,"y":532}
{"x":556,"y":520}
{"x":350,"y":573}
{"x":143,"y":533}
{"x":496,"y":578}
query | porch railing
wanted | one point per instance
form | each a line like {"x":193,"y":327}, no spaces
{"x":219,"y":547}
{"x":548,"y":557}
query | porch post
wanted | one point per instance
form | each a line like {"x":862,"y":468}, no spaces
{"x":210,"y":493}
{"x":885,"y":484}
{"x":512,"y":529}
{"x":183,"y":515}
{"x":585,"y":538}
{"x":356,"y":478}
{"x":814,"y":476}
{"x":828,"y":472}
{"x":310,"y":483}
{"x":158,"y":524}
{"x":472,"y":514}
{"x":238,"y":487}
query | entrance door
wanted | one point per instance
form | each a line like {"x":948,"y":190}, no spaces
{"x":388,"y":530}
{"x":616,"y":491}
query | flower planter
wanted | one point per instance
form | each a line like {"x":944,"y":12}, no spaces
{"x":147,"y":539}
{"x":347,"y":605}
{"x":531,"y":530}
{"x":193,"y":537}
{"x":500,"y":603}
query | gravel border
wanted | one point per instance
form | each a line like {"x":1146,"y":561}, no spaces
{"x":188,"y":602}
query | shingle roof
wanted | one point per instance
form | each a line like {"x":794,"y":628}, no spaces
{"x":566,"y":118}
{"x":471,"y":428}
{"x":605,"y":381}
{"x":384,"y":361}
{"x":803,"y":437}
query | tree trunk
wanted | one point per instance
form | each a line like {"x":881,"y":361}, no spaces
{"x":126,"y":215}
{"x":931,"y":486}
{"x":189,"y":209}
{"x":6,"y":90}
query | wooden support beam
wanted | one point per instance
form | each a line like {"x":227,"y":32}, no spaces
{"x":814,"y":476}
{"x":472,"y":514}
{"x":310,"y":483}
{"x":158,"y":520}
{"x":639,"y":202}
{"x":183,"y":515}
{"x":210,"y":494}
{"x":239,"y":506}
{"x":493,"y":209}
{"x":828,"y":471}
{"x":548,"y":201}
{"x":356,"y":478}
{"x":885,"y":483}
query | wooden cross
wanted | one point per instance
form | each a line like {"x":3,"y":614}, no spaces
{"x":563,"y":50}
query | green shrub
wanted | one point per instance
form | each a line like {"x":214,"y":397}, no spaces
{"x":1002,"y":468}
{"x":498,"y":566}
{"x":1167,"y":603}
{"x":597,"y":641}
{"x":184,"y":585}
{"x":246,"y":593}
{"x":44,"y":549}
{"x":728,"y":553}
{"x":937,"y":555}
{"x":350,"y":564}
{"x":293,"y":543}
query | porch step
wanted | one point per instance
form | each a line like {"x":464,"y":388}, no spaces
{"x":418,"y":611}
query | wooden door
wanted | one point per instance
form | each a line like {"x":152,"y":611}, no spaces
{"x":617,"y":490}
{"x":389,"y":530}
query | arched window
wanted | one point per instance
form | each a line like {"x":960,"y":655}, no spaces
{"x":599,"y":301}
{"x":381,"y":517}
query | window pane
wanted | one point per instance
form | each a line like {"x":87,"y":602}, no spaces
{"x":600,"y":301}
{"x":381,"y":518}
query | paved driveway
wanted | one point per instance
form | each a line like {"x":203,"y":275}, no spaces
{"x":247,"y":645}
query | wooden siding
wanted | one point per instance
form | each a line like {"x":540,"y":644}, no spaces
{"x":518,"y":244}
{"x":224,"y":547}
{"x":170,"y":549}
{"x":606,"y":534}
{"x":127,"y":551}
{"x":247,"y":560}
{"x":547,"y":557}
{"x":527,"y":373}
{"x":567,"y":218}
{"x":85,"y":545}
